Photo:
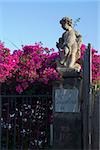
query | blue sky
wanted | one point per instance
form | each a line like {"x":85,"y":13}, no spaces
{"x":29,"y":21}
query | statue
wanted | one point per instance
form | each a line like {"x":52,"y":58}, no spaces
{"x":69,"y":46}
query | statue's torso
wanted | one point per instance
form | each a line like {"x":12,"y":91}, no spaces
{"x":69,"y":38}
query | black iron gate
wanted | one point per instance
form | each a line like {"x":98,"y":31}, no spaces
{"x":25,"y":122}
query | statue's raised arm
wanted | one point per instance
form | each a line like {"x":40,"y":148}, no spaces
{"x":69,"y":45}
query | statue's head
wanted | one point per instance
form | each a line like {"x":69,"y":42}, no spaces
{"x":66,"y":23}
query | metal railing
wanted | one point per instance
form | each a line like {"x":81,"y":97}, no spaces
{"x":25,"y":122}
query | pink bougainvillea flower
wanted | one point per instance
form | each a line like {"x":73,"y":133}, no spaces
{"x":35,"y":63}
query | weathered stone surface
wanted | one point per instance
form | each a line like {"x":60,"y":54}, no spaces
{"x":67,"y":115}
{"x":68,"y":72}
{"x":66,"y":100}
{"x":67,"y":131}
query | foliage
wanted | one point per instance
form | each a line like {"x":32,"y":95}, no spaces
{"x":34,"y":64}
{"x":7,"y":63}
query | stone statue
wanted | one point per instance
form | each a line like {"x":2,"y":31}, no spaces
{"x":69,"y":45}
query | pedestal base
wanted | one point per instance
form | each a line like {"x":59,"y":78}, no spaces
{"x":67,"y":123}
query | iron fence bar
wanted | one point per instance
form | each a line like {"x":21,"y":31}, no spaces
{"x":26,"y":96}
{"x":22,"y":124}
{"x":51,"y":134}
{"x":46,"y":120}
{"x":30,"y":120}
{"x":19,"y":127}
{"x":14,"y":145}
{"x":7,"y":125}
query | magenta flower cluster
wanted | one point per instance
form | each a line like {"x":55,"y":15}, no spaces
{"x":8,"y":63}
{"x":34,"y":63}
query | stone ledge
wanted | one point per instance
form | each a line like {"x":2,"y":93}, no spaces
{"x":68,"y":73}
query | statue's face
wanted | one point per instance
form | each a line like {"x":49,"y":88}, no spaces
{"x":65,"y":26}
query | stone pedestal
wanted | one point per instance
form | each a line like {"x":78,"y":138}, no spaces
{"x":67,"y":115}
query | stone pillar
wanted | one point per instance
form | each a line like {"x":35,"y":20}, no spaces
{"x":67,"y":114}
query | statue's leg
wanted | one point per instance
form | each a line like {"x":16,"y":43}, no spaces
{"x":65,"y":57}
{"x":62,"y":60}
{"x":66,"y":62}
{"x":73,"y":64}
{"x":61,"y":53}
{"x":77,"y":67}
{"x":72,"y":60}
{"x":66,"y":51}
